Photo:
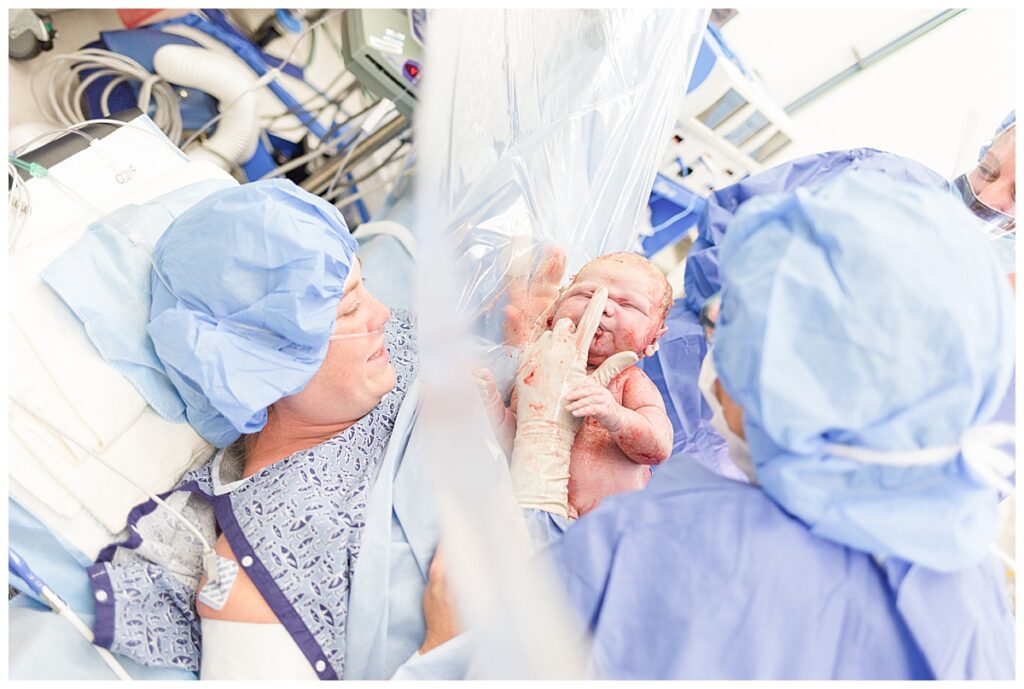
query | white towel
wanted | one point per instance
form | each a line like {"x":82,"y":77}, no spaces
{"x":153,"y":453}
{"x":58,"y":375}
{"x":55,"y":370}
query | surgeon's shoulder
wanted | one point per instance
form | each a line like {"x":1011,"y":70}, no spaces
{"x":686,"y":493}
{"x":685,"y":507}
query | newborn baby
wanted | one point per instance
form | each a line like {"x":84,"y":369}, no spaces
{"x":625,"y":429}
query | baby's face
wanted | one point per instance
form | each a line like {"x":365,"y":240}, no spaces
{"x":632,"y":318}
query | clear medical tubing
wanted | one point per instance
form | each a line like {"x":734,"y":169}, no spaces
{"x":17,"y":566}
{"x":535,"y":128}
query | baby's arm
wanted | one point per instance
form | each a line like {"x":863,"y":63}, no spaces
{"x":639,"y":426}
{"x":503,"y":419}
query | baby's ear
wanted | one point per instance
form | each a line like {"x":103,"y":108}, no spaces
{"x":650,"y":349}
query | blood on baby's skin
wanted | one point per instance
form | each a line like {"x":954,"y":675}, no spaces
{"x":599,"y":463}
{"x":528,"y":380}
{"x":631,"y":438}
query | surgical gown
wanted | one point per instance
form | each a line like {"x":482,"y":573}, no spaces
{"x":701,"y":577}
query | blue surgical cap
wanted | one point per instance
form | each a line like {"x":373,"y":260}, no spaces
{"x":246,"y":286}
{"x":873,"y":314}
{"x":1008,"y":122}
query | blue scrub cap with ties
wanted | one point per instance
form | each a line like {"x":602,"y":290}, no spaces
{"x":246,"y":285}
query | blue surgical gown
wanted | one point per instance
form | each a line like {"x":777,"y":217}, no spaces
{"x":700,"y":577}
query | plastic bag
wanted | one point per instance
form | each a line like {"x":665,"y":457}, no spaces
{"x":536,"y":129}
{"x":554,"y":125}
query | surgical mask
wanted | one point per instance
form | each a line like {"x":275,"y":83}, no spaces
{"x":961,"y":186}
{"x":739,"y":451}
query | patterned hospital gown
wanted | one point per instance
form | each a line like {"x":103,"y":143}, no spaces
{"x":295,"y":526}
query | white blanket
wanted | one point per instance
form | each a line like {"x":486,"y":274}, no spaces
{"x":58,"y":376}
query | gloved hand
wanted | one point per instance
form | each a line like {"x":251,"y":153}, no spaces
{"x":549,"y":367}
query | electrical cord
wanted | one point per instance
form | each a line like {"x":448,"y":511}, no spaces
{"x":335,"y":102}
{"x":330,"y":38}
{"x":323,"y":148}
{"x":369,"y":126}
{"x":74,"y":129}
{"x":268,"y":77}
{"x":64,"y":97}
{"x":387,"y":161}
{"x":363,"y":194}
{"x":301,"y":160}
{"x":47,"y":137}
{"x":19,"y":204}
{"x":308,"y":101}
{"x":312,"y":50}
{"x":318,"y":182}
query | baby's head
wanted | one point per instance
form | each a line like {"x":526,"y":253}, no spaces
{"x":639,"y":299}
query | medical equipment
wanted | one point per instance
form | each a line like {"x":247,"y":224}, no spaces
{"x":384,"y":49}
{"x":369,"y":125}
{"x":257,"y":63}
{"x":29,"y":33}
{"x":319,"y":181}
{"x":234,"y":142}
{"x":19,"y":204}
{"x":63,"y":102}
{"x":728,"y":125}
{"x":20,"y":568}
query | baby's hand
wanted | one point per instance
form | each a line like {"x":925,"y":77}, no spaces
{"x":590,"y":399}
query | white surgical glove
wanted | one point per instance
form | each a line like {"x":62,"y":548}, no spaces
{"x":549,"y":367}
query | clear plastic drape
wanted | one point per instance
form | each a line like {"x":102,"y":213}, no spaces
{"x":536,"y":128}
{"x":551,"y":125}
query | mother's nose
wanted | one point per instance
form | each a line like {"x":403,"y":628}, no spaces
{"x":380,"y":313}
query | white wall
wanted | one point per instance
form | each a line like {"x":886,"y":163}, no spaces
{"x":935,"y":100}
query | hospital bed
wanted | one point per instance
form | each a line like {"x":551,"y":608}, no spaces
{"x":85,"y":446}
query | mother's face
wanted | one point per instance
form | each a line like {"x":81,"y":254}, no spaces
{"x":356,"y":373}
